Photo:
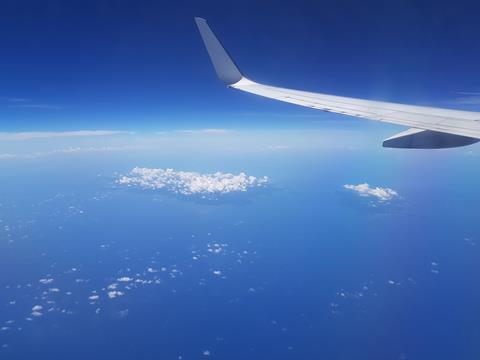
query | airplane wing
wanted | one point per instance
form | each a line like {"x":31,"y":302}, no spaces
{"x":429,"y":128}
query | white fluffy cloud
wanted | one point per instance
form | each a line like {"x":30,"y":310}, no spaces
{"x":189,"y":183}
{"x":45,"y":281}
{"x":115,"y":293}
{"x":381,"y":194}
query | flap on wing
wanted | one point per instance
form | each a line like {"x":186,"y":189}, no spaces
{"x":427,"y":139}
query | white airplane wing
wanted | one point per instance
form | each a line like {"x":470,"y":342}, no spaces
{"x":429,"y":128}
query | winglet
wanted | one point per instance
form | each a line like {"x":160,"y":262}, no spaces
{"x":224,"y":66}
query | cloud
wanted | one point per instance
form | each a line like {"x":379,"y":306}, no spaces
{"x":22,"y":136}
{"x":279,"y":147}
{"x":190,"y":183}
{"x":75,"y":150}
{"x":467,"y":98}
{"x":37,"y":106}
{"x":17,"y":102}
{"x":381,"y":194}
{"x":70,"y":150}
{"x":206,"y":131}
{"x":45,"y":281}
{"x":36,"y":310}
{"x":114,"y":294}
{"x":13,"y":99}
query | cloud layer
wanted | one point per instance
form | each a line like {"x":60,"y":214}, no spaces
{"x":467,"y":98}
{"x":22,"y":136}
{"x":206,"y":131}
{"x":381,"y":194}
{"x":190,"y":183}
{"x":67,"y":151}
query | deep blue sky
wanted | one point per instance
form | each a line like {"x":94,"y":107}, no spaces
{"x":335,"y":274}
{"x":141,"y":65}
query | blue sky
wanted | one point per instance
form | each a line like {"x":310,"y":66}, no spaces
{"x":354,"y":250}
{"x":140,"y":65}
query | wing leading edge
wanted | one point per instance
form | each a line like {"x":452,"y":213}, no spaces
{"x":431,"y":128}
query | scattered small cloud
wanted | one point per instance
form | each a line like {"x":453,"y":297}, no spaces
{"x":39,"y":298}
{"x":45,"y":281}
{"x":123,"y":313}
{"x":393,"y":283}
{"x":114,"y":294}
{"x":364,"y":190}
{"x":190,"y":183}
{"x":36,"y":310}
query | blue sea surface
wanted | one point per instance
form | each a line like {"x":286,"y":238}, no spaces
{"x":303,"y":268}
